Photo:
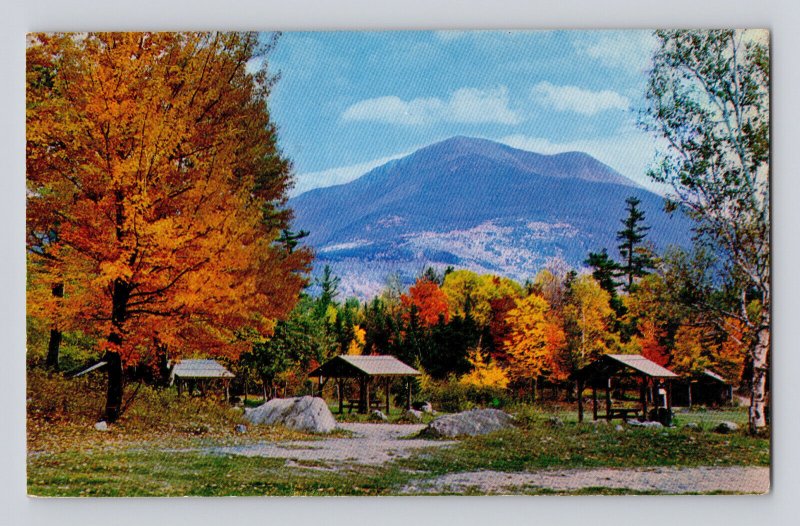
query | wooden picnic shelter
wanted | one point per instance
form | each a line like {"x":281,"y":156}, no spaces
{"x":702,"y":388}
{"x":200,"y":373}
{"x":364,"y":370}
{"x":620,"y":368}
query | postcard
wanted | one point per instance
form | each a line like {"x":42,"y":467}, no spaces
{"x":398,"y":263}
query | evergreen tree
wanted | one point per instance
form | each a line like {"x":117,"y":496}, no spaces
{"x":329,"y":286}
{"x":604,"y":270}
{"x":636,"y":257}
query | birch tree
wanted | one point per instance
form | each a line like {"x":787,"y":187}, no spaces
{"x":708,"y":99}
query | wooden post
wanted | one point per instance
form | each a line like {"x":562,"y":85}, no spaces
{"x":339,"y":392}
{"x":227,"y":391}
{"x":408,"y":394}
{"x":643,"y":396}
{"x":366,"y":385}
{"x":669,"y":395}
{"x":608,"y":399}
{"x":387,"y":396}
{"x":580,"y":400}
{"x":361,"y":399}
{"x":594,"y":401}
{"x":690,"y":393}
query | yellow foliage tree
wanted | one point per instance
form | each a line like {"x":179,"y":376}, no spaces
{"x":587,"y":321}
{"x":356,"y":346}
{"x":467,"y":290}
{"x":485,"y":373}
{"x":533,"y":340}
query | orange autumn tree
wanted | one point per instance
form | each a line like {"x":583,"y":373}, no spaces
{"x":427,"y":300}
{"x":154,"y":158}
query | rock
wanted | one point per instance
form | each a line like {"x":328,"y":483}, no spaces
{"x":554,"y":421}
{"x":412,"y":415}
{"x":649,"y":424}
{"x":424,"y":407}
{"x":726,"y":427}
{"x":377,"y":416}
{"x":692,"y":426}
{"x":469,"y":423}
{"x":101,"y":426}
{"x":598,"y":422}
{"x":240,"y":428}
{"x":619,"y":427}
{"x":305,"y":413}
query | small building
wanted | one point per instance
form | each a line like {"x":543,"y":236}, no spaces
{"x":200,"y":373}
{"x":366,"y":371}
{"x":621,"y":372}
{"x":704,"y":388}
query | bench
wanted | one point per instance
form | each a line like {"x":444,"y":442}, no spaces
{"x":623,"y":413}
{"x":354,"y":403}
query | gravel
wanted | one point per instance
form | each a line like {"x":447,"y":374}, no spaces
{"x":666,"y":480}
{"x":370,"y":444}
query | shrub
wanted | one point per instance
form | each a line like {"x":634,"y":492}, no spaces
{"x":452,"y":396}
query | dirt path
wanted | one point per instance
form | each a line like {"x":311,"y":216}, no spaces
{"x":666,"y":480}
{"x":371,"y":444}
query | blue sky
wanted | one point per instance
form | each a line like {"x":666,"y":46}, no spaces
{"x":349,"y":101}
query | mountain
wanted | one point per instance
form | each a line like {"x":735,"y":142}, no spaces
{"x":477,"y":204}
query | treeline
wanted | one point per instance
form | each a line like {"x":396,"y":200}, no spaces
{"x":490,"y":331}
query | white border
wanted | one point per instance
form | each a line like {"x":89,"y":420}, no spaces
{"x":781,"y":16}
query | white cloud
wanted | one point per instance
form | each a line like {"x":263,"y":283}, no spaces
{"x":465,"y":106}
{"x":618,"y":49}
{"x":340,"y":175}
{"x":630,"y":153}
{"x":578,"y":100}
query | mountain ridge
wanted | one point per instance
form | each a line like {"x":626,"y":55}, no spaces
{"x":473,"y":203}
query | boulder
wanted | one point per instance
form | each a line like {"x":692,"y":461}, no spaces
{"x":554,"y":421}
{"x":648,"y":424}
{"x":692,"y":426}
{"x":305,"y":413}
{"x":377,"y":416}
{"x":101,"y":426}
{"x":469,"y":423}
{"x":412,"y":416}
{"x":240,"y":429}
{"x":726,"y":427}
{"x":424,"y":407}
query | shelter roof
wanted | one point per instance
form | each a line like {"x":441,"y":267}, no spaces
{"x":347,"y":366}
{"x":611,"y":364}
{"x":711,"y":374}
{"x":200,"y":369}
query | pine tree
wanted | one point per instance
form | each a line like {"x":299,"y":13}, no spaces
{"x":636,"y":257}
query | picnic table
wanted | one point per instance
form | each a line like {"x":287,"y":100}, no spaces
{"x":623,"y":413}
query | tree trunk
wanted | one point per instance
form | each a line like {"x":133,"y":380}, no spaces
{"x":114,"y":393}
{"x":55,"y":334}
{"x":119,"y":313}
{"x":758,"y":396}
{"x":52,"y":349}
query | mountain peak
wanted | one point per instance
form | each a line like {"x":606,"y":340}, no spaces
{"x":572,"y":164}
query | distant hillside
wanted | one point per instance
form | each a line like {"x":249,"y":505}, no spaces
{"x":477,"y":204}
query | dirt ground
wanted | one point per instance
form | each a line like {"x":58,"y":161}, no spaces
{"x":371,"y":444}
{"x":376,"y":444}
{"x":665,"y":480}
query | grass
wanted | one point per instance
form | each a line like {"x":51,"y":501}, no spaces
{"x":583,"y":446}
{"x":153,"y":473}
